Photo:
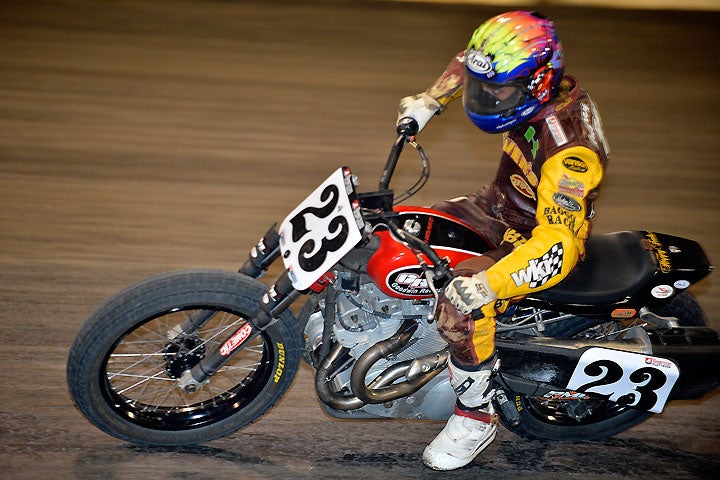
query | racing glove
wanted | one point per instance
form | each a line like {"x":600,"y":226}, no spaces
{"x":420,"y":107}
{"x":469,"y":293}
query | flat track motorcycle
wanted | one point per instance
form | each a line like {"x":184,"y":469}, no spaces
{"x":189,"y":356}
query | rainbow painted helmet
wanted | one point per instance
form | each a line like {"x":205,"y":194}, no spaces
{"x":513,"y":66}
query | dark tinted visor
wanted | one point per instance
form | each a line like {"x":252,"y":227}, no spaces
{"x":487,"y":98}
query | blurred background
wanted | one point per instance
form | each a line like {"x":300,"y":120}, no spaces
{"x":143,"y":136}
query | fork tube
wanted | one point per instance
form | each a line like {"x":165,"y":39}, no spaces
{"x":195,"y":321}
{"x":262,"y":254}
{"x":275,"y":301}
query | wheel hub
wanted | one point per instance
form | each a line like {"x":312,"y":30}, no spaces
{"x":182,"y":354}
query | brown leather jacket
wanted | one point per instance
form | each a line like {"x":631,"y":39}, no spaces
{"x":549,"y":173}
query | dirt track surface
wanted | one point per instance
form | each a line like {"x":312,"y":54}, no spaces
{"x":141,"y":137}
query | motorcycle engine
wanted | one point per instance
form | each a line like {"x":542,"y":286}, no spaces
{"x":366,"y":316}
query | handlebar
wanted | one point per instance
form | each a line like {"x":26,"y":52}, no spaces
{"x":391,"y":163}
{"x":407,"y":128}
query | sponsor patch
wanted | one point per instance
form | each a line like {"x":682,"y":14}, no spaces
{"x":556,"y":130}
{"x":563,"y":103}
{"x":574,"y":164}
{"x":560,"y":216}
{"x":570,"y":186}
{"x":521,"y":186}
{"x":540,"y":270}
{"x":534,"y":142}
{"x":565,"y":202}
{"x":511,"y":148}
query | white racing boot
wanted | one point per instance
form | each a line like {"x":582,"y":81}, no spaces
{"x":473,"y":425}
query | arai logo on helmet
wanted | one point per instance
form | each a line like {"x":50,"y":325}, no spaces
{"x":479,"y":63}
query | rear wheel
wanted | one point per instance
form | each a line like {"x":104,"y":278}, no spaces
{"x":124,"y":366}
{"x":686,"y":309}
{"x":577,"y":417}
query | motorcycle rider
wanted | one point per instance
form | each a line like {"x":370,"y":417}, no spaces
{"x":537,"y":210}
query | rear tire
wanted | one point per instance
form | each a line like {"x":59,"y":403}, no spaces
{"x":686,"y":309}
{"x":123,"y":369}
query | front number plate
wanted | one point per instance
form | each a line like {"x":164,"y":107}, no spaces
{"x":631,"y":379}
{"x":321,"y":230}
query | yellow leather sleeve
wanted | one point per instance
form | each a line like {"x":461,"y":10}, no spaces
{"x":558,"y":240}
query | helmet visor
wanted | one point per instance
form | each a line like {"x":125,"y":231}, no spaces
{"x":488,"y":98}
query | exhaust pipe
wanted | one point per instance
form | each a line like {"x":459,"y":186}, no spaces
{"x":335,"y":361}
{"x":383,"y":388}
{"x":417,"y":372}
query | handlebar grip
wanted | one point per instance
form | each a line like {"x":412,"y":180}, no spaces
{"x":408,"y":126}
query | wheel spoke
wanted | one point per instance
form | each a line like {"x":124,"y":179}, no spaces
{"x":138,"y":371}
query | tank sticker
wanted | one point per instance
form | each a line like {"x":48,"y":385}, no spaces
{"x":662,"y":291}
{"x":681,"y":284}
{"x":408,"y":281}
{"x":521,"y":186}
{"x":428,"y":229}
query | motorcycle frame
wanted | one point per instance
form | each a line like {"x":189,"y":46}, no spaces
{"x":282,"y":294}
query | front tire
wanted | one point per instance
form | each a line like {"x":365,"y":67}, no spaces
{"x":123,"y":367}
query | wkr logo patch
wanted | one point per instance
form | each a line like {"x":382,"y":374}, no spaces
{"x":540,"y":270}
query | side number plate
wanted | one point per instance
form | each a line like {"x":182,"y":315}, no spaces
{"x":630,"y":379}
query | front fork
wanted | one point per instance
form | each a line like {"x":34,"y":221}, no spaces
{"x":272,"y":304}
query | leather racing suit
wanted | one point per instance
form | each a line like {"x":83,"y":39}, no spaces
{"x":537,"y":209}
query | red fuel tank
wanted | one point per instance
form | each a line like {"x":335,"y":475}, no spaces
{"x":395,"y":268}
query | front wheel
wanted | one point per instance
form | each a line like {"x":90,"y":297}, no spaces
{"x":124,"y":366}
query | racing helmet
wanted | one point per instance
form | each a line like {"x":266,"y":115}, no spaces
{"x":513,"y":66}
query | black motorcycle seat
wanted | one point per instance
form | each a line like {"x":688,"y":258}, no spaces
{"x":615,"y":266}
